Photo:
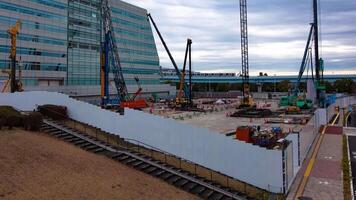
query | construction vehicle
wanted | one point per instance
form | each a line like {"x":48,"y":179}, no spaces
{"x":15,"y":85}
{"x":110,"y":61}
{"x":247,"y":101}
{"x":301,"y":101}
{"x":183,"y":100}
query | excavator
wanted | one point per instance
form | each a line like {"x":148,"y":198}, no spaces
{"x":110,"y":61}
{"x":15,"y":85}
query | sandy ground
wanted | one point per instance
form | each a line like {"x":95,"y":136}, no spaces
{"x":36,"y":166}
{"x":219,"y":122}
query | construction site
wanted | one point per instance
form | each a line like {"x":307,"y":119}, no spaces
{"x":160,"y":141}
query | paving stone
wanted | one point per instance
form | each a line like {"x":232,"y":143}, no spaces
{"x":327,"y":169}
{"x":331,"y":148}
{"x":324,"y":189}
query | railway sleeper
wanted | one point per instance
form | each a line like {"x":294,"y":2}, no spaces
{"x":62,"y":135}
{"x":215,"y":196}
{"x":98,"y":150}
{"x":150,"y":169}
{"x":187,"y":187}
{"x":206,"y":193}
{"x":157,"y":172}
{"x":137,"y":163}
{"x":129,"y":160}
{"x":68,"y":137}
{"x":181,"y":182}
{"x":90,"y":147}
{"x":143,"y":166}
{"x":165,"y":175}
{"x":197,"y":189}
{"x":122,"y":157}
{"x":85,"y":144}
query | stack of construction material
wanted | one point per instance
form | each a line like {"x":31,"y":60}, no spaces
{"x":265,"y":138}
{"x":53,"y":111}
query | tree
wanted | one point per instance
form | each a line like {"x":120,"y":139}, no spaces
{"x":268,"y":87}
{"x":329,"y":87}
{"x":222,"y":87}
{"x":343,"y":85}
{"x":284,"y":86}
{"x":236,"y":86}
{"x":353,"y":88}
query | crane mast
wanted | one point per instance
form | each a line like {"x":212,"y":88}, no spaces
{"x":247,"y":100}
{"x":110,"y":60}
{"x":13,"y":31}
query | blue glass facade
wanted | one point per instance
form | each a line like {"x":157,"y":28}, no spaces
{"x":62,"y":39}
{"x":42,"y":42}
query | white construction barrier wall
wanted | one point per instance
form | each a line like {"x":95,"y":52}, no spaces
{"x":248,"y":163}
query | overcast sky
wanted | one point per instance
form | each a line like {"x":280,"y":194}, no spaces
{"x":278,"y":31}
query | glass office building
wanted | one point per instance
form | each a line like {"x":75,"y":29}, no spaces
{"x":59,"y":44}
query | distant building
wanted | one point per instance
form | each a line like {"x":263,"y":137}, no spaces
{"x":59,"y":45}
{"x":198,"y":77}
{"x":172,"y":72}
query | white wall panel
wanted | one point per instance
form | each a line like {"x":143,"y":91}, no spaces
{"x":245,"y":162}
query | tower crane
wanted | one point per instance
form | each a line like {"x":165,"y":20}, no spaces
{"x":247,"y":101}
{"x":110,"y":61}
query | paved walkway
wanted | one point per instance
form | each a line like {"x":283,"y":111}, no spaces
{"x":320,"y":177}
{"x":325,"y":180}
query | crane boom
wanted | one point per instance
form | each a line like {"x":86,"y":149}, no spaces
{"x":304,"y":61}
{"x":178,"y":72}
{"x":182,"y":78}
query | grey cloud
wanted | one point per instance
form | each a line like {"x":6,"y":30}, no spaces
{"x":277,"y":32}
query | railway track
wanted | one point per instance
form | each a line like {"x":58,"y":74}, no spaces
{"x":184,"y":180}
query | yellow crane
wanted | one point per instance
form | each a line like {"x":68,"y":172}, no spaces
{"x":16,"y":85}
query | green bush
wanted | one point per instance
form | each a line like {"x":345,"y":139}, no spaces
{"x":33,"y":121}
{"x":10,"y":117}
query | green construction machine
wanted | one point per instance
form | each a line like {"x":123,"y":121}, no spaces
{"x":301,"y":101}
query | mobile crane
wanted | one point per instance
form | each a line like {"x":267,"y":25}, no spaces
{"x":15,"y":85}
{"x":183,"y":87}
{"x":181,"y":102}
{"x":110,"y":61}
